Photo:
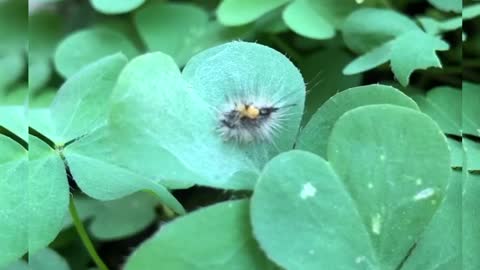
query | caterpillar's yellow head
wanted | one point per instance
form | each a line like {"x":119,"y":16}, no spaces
{"x":248,"y":111}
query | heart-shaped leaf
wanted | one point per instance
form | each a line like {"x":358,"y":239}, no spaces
{"x":13,"y":200}
{"x":169,"y":121}
{"x":322,"y":230}
{"x":314,"y":136}
{"x":86,"y":46}
{"x":395,"y":163}
{"x":302,"y":18}
{"x":370,"y":215}
{"x":48,"y":194}
{"x":203,"y":241}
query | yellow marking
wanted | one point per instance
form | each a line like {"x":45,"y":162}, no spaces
{"x":249,"y":111}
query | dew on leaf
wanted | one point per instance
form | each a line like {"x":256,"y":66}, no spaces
{"x":424,"y":194}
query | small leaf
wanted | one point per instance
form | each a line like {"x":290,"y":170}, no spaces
{"x":124,"y":217}
{"x":314,"y":136}
{"x":159,"y":20}
{"x":238,"y":12}
{"x":47,"y":259}
{"x":448,"y":5}
{"x":434,"y":27}
{"x":408,"y":56}
{"x":370,"y":60}
{"x":12,"y":66}
{"x":86,"y":46}
{"x":305,"y":21}
{"x":368,"y":28}
{"x":203,"y":241}
{"x":115,"y":7}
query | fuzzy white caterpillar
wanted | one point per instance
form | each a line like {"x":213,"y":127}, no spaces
{"x":251,"y":119}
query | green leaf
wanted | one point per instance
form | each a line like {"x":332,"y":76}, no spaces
{"x":314,"y":136}
{"x":14,"y":119}
{"x":470,"y":225}
{"x":470,"y":109}
{"x":159,"y":20}
{"x":47,"y":259}
{"x":13,"y":201}
{"x":81,"y":104}
{"x":89,"y":45}
{"x":13,"y":26}
{"x":334,"y":11}
{"x":96,"y":169}
{"x":448,"y":5}
{"x":238,"y":12}
{"x":115,"y":7}
{"x":213,"y":238}
{"x":434,"y":27}
{"x":408,"y":56}
{"x":12,"y":67}
{"x":48,"y":194}
{"x":124,"y":217}
{"x":368,"y":28}
{"x":440,"y":246}
{"x":376,"y":57}
{"x":471,"y":12}
{"x":472,"y":152}
{"x":176,"y":122}
{"x":17,"y":265}
{"x":304,"y":20}
{"x":325,"y":80}
{"x":327,"y":232}
{"x":395,"y":163}
{"x":444,"y":105}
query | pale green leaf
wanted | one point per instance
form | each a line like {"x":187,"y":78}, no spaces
{"x":115,"y":7}
{"x":304,"y":20}
{"x":408,"y":56}
{"x":314,"y":136}
{"x":238,"y":12}
{"x":89,"y":45}
{"x":203,"y":241}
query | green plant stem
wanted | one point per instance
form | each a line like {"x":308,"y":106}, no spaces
{"x":286,"y":48}
{"x":84,"y":236}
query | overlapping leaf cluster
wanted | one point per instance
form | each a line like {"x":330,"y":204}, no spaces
{"x":110,"y":108}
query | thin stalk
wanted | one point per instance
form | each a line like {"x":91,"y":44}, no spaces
{"x":84,"y":236}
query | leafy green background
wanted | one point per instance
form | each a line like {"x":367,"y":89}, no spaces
{"x":111,"y":106}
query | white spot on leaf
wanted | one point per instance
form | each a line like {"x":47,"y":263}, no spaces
{"x":382,"y":157}
{"x":311,"y":252}
{"x":376,"y":224}
{"x":419,"y":181}
{"x":370,"y":185}
{"x":308,"y":191}
{"x":424,"y":194}
{"x":360,"y":259}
